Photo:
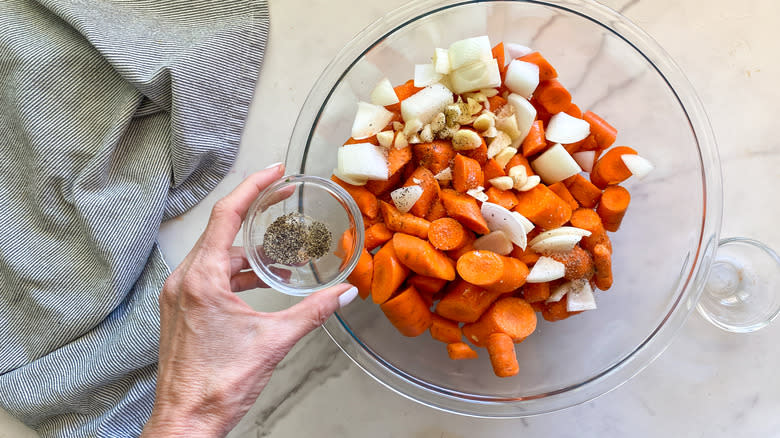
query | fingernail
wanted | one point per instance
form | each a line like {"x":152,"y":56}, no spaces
{"x":273,"y":165}
{"x":347,"y":297}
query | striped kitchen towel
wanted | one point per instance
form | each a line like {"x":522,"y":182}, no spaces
{"x":114,"y":116}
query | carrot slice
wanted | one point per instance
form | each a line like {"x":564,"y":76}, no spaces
{"x":613,"y":206}
{"x":578,"y":262}
{"x":366,"y":201}
{"x":445,"y":330}
{"x":496,"y":102}
{"x":447,"y":234}
{"x":546,"y":70}
{"x":510,"y":315}
{"x":492,"y":169}
{"x":466,"y":174}
{"x":610,"y":168}
{"x":465,"y":302}
{"x":465,"y":210}
{"x":604,"y":134}
{"x":479,"y":154}
{"x":455,"y":254}
{"x":434,"y":156}
{"x":602,"y":258}
{"x":397,"y":159}
{"x":408,"y":313}
{"x":584,"y":191}
{"x":502,"y":354}
{"x":560,"y":189}
{"x":574,"y":111}
{"x":492,"y":271}
{"x":543,"y":207}
{"x":461,"y":351}
{"x":553,"y":96}
{"x":389,"y":274}
{"x":504,"y":198}
{"x":422,"y":258}
{"x":556,"y":311}
{"x":344,"y":247}
{"x":588,"y":219}
{"x":426,"y":285}
{"x":437,"y":210}
{"x":498,"y":54}
{"x":424,"y":178}
{"x":534,"y":142}
{"x":527,"y":256}
{"x":373,"y":140}
{"x":536,"y":292}
{"x":541,"y":112}
{"x":404,"y":223}
{"x":376,"y":235}
{"x":363,"y":274}
{"x":403,"y":91}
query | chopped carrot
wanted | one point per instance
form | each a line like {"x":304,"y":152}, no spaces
{"x":536,"y":292}
{"x":588,"y":219}
{"x":538,"y":306}
{"x":502,"y":354}
{"x":397,"y":160}
{"x":427,"y":285}
{"x":465,"y":302}
{"x":465,"y":210}
{"x":510,"y":315}
{"x":437,"y":210}
{"x":492,"y":169}
{"x":504,"y":198}
{"x":447,"y":234}
{"x":604,"y":133}
{"x":610,"y":168}
{"x":383,"y":187}
{"x":589,"y":144}
{"x":408,"y":313}
{"x":519,"y":160}
{"x":578,"y":262}
{"x":377,"y":235}
{"x":498,"y":54}
{"x":560,"y":189}
{"x":534,"y":142}
{"x":365,"y":200}
{"x":543,"y":207}
{"x":546,"y":70}
{"x":556,"y":311}
{"x":389,"y":273}
{"x":584,"y":191}
{"x":492,"y":271}
{"x":404,"y":222}
{"x":422,"y":258}
{"x":346,"y":242}
{"x":369,"y":222}
{"x":445,"y":330}
{"x":496,"y":102}
{"x":403,"y":92}
{"x":424,"y":178}
{"x":469,"y":246}
{"x":373,"y":140}
{"x":574,"y":111}
{"x":553,"y":96}
{"x":435,"y":156}
{"x":461,"y":351}
{"x":527,"y":256}
{"x":602,"y":258}
{"x":363,"y":273}
{"x":541,"y":112}
{"x":466,"y":174}
{"x":613,"y":206}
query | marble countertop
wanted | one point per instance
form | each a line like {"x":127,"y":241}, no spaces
{"x":707,"y":383}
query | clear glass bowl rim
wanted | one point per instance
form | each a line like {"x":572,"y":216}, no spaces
{"x":341,"y":195}
{"x":688,"y":289}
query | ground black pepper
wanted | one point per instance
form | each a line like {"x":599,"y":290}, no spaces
{"x":293,"y":238}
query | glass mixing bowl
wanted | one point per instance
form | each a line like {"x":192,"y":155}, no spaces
{"x":663,"y":251}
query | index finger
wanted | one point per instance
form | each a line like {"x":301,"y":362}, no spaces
{"x":229,"y":212}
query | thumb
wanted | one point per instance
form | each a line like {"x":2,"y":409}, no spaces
{"x":314,"y":310}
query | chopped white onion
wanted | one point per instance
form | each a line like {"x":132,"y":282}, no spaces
{"x":441,"y":61}
{"x":581,"y":298}
{"x":525,"y":113}
{"x":384,"y":94}
{"x":559,"y":292}
{"x":444,"y":175}
{"x":566,"y":129}
{"x":426,"y":103}
{"x":561,"y":231}
{"x":556,"y":244}
{"x":499,"y":218}
{"x":528,"y":225}
{"x":404,"y":198}
{"x":495,"y":241}
{"x":348,"y":179}
{"x":639,"y":166}
{"x":515,"y":51}
{"x":555,"y":164}
{"x":472,"y":77}
{"x":586,"y":159}
{"x":363,"y":161}
{"x":369,"y":120}
{"x":546,"y":269}
{"x":425,"y":74}
{"x":522,"y":78}
{"x":478,"y":194}
{"x":469,"y":51}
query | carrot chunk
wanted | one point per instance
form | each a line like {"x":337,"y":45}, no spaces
{"x":408,"y":312}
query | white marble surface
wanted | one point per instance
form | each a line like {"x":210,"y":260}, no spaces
{"x":708,"y":382}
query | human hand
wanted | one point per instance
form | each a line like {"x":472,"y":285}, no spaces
{"x":217,"y":353}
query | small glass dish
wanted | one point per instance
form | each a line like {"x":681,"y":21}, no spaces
{"x":317,"y":199}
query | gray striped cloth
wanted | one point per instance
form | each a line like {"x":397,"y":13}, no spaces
{"x":114,"y":116}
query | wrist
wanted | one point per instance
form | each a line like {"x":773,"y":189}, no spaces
{"x":170,"y":422}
